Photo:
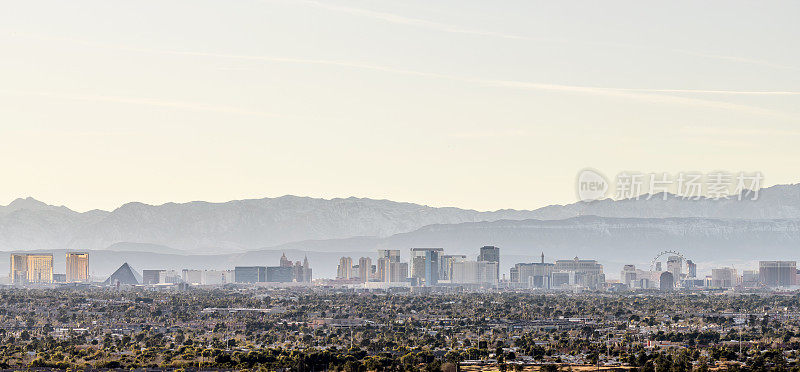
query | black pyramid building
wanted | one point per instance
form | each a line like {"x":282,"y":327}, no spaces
{"x":124,"y":275}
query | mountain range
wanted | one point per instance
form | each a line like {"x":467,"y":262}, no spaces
{"x":240,"y":225}
{"x":613,"y":231}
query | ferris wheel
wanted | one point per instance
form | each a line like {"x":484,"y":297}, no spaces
{"x":664,"y":253}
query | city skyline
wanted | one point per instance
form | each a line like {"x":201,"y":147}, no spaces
{"x":428,"y":267}
{"x":329,"y":271}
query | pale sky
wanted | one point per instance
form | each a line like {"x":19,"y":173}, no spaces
{"x":473,"y":104}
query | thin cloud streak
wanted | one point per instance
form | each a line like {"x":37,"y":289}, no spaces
{"x":403,"y":20}
{"x":644,"y":95}
{"x":707,"y":91}
{"x":736,"y":59}
{"x":368,"y":66}
{"x":748,"y":132}
{"x":660,"y":96}
{"x":443,"y":27}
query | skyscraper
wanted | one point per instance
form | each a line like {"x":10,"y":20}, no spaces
{"x":19,"y":268}
{"x":250,"y":274}
{"x":192,"y":276}
{"x":750,"y":278}
{"x":532,"y":275}
{"x":307,"y":273}
{"x":77,"y":267}
{"x":382,"y":269}
{"x":446,"y":265}
{"x":285,"y":262}
{"x":628,"y":275}
{"x":345,"y":268}
{"x":588,"y":273}
{"x":723,"y":277}
{"x":691,"y":267}
{"x":298,"y":272}
{"x":364,"y":269}
{"x":398,"y":272}
{"x":675,"y":266}
{"x":489,"y":253}
{"x":153,"y":276}
{"x":777,"y":273}
{"x":279,"y":274}
{"x":666,"y":281}
{"x":40,"y":268}
{"x":425,"y":265}
{"x":385,"y":259}
{"x":475,"y":272}
{"x":392,"y":254}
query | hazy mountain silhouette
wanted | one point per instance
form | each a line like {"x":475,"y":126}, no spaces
{"x":202,"y":227}
{"x":32,"y":204}
{"x":776,"y":202}
{"x":241,"y":225}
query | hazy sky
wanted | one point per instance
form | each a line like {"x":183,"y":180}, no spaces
{"x":485,"y":105}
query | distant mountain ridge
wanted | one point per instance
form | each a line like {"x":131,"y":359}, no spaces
{"x":202,"y":227}
{"x":242,"y":225}
{"x":776,"y":202}
{"x":32,"y":204}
